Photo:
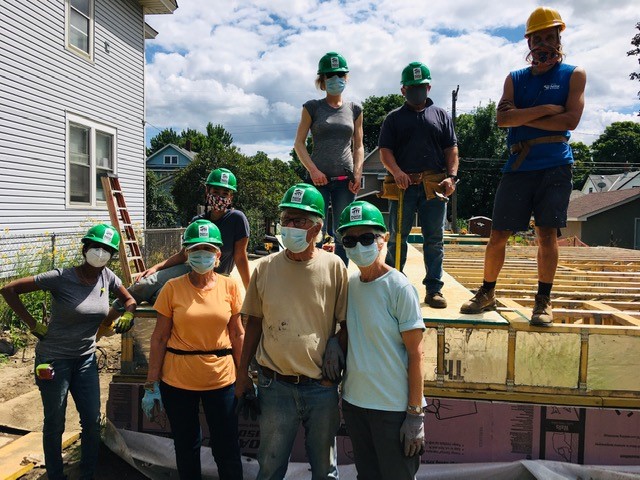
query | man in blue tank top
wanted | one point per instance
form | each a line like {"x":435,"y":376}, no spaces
{"x":540,"y":104}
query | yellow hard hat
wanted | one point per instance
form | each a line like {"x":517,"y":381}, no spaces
{"x":541,"y":18}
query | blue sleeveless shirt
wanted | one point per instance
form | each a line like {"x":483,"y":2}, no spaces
{"x":530,"y":90}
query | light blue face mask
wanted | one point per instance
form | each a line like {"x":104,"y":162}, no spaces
{"x":335,"y":85}
{"x":363,"y":256}
{"x":294,"y":239}
{"x":202,"y":261}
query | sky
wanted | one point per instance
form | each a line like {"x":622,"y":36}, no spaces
{"x":250,"y":65}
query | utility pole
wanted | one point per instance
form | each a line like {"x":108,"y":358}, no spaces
{"x":454,"y":197}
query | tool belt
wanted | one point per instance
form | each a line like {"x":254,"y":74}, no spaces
{"x":220,"y":353}
{"x":295,"y":379}
{"x":430,"y":180}
{"x":522,"y":148}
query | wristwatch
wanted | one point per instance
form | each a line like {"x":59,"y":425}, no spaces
{"x":414,"y":409}
{"x":453,"y":177}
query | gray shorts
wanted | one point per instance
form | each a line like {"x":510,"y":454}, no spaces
{"x":543,"y":193}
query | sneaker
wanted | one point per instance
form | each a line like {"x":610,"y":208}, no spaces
{"x":542,"y":313}
{"x":483,"y":300}
{"x":435,"y":300}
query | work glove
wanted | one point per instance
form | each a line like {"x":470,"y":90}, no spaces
{"x":123,"y":323}
{"x":412,"y":435}
{"x":333,"y":361}
{"x":151,"y":396}
{"x":249,"y":405}
{"x":39,"y":331}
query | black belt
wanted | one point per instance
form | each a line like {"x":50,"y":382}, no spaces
{"x":220,"y":353}
{"x":295,"y":379}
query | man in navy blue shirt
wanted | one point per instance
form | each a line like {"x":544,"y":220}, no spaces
{"x":418,"y":146}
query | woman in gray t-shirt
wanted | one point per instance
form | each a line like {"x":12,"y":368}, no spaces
{"x":65,"y":353}
{"x":335,"y":165}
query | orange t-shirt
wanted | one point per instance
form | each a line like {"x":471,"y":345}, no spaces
{"x":200,"y":319}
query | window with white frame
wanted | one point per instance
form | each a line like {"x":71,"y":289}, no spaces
{"x":80,"y":16}
{"x":170,"y":159}
{"x":90,"y":156}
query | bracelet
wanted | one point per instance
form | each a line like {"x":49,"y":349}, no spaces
{"x":453,"y":177}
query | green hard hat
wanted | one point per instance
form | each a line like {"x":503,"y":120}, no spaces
{"x":415,"y":73}
{"x":103,"y":234}
{"x":304,"y":197}
{"x":359,"y":214}
{"x":201,"y":231}
{"x":222,"y":177}
{"x":332,"y":62}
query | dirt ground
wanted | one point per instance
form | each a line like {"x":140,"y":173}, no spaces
{"x":16,"y":378}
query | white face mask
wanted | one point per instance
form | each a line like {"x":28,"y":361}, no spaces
{"x":97,"y":257}
{"x":202,"y":261}
{"x":294,"y":239}
{"x":363,"y":256}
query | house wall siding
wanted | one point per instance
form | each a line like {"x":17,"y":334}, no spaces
{"x":40,"y":83}
{"x":614,"y":227}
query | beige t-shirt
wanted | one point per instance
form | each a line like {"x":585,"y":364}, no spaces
{"x":299,"y":303}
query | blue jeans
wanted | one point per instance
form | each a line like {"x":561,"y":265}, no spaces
{"x":148,"y":288}
{"x":432,"y":215}
{"x":375,"y":436}
{"x":338,"y":195}
{"x":80,"y":377}
{"x":183,"y":411}
{"x":284,"y":406}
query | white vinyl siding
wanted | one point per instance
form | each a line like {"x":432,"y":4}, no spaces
{"x":80,"y":27}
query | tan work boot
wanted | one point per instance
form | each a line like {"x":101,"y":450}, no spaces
{"x":435,"y":300}
{"x":483,"y":300}
{"x":542,"y":313}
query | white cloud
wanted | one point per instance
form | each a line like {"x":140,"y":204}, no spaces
{"x":251,"y":65}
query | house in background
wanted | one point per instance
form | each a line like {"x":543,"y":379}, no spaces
{"x":373,"y":173}
{"x":608,"y":183}
{"x":72,"y":95}
{"x":606,"y":219}
{"x":167,"y":161}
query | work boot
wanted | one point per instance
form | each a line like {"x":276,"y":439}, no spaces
{"x":483,"y":300}
{"x":435,"y":300}
{"x":542,"y":314}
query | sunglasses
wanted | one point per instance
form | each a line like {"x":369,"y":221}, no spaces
{"x":365,"y":240}
{"x":333,"y":74}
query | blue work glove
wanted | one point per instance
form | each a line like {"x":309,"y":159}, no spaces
{"x":151,"y":396}
{"x":412,"y":435}
{"x":39,"y":331}
{"x":333,"y":361}
{"x":248,"y":405}
{"x":123,"y":323}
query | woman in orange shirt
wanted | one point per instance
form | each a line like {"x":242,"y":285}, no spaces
{"x":195,"y":349}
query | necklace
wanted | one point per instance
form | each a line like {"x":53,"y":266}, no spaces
{"x":203,"y":282}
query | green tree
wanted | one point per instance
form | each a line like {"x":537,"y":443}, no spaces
{"x":635,"y":41}
{"x":374,"y":110}
{"x":618,"y":147}
{"x":165,"y":137}
{"x":161,"y":211}
{"x":583,"y":165}
{"x":197,"y":141}
{"x":482,"y":148}
{"x":295,"y":163}
{"x":218,"y":138}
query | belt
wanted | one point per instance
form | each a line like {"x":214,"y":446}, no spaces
{"x":220,"y":353}
{"x":295,"y":379}
{"x":418,"y":177}
{"x":522,"y":148}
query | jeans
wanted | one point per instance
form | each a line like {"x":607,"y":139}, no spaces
{"x":284,"y":406}
{"x":432,"y":215}
{"x":148,"y":288}
{"x":338,"y":195}
{"x":183,"y":411}
{"x":80,"y":377}
{"x":375,"y":436}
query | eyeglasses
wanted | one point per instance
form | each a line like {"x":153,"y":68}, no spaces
{"x":333,"y":74}
{"x":297,"y":222}
{"x":365,"y":240}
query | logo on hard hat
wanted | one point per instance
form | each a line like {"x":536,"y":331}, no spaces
{"x":224,"y":178}
{"x":296,"y":196}
{"x":417,"y":73}
{"x":203,"y":231}
{"x":335,"y":62}
{"x":355,"y":214}
{"x":108,"y":235}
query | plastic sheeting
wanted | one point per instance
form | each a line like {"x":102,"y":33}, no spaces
{"x":154,"y":457}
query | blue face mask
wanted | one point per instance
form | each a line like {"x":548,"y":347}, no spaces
{"x":294,"y":239}
{"x":335,"y":85}
{"x":202,"y":261}
{"x":363,"y":256}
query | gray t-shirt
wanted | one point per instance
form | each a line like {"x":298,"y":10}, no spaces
{"x":76,"y":311}
{"x":332,"y":131}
